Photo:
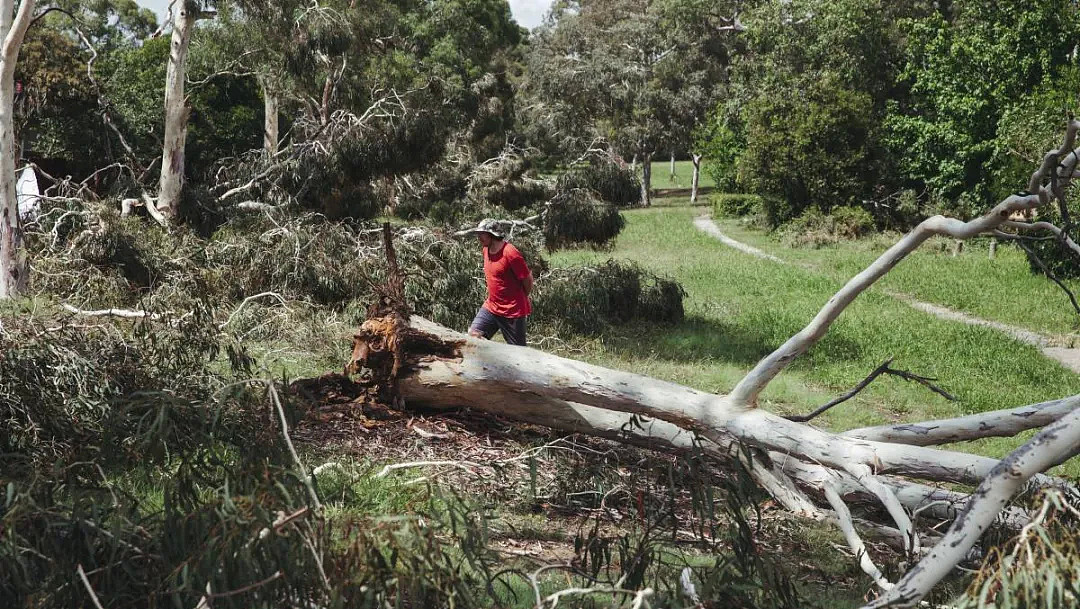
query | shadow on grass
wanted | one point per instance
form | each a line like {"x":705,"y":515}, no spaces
{"x":690,"y":340}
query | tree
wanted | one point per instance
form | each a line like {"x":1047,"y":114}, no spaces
{"x":427,"y":364}
{"x":969,"y":68}
{"x":13,"y":25}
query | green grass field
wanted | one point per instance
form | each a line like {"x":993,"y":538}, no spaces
{"x":684,"y":174}
{"x":739,"y":308}
{"x":1002,"y":289}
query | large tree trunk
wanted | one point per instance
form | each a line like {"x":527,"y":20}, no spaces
{"x":646,"y":179}
{"x":270,"y":122}
{"x":12,"y":257}
{"x":176,"y":112}
{"x":696,"y":159}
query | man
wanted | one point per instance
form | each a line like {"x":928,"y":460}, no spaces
{"x":509,"y":282}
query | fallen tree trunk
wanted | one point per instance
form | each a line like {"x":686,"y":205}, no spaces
{"x":421,"y":362}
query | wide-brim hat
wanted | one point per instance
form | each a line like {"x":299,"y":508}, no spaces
{"x":487,"y":225}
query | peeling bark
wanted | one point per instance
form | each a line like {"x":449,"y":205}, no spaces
{"x":13,"y":267}
{"x":271,"y":135}
{"x":646,"y":179}
{"x":176,"y":112}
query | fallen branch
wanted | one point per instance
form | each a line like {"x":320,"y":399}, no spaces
{"x":1050,"y":274}
{"x":1055,"y":444}
{"x":123,"y":313}
{"x":882,"y":369}
{"x":89,"y":588}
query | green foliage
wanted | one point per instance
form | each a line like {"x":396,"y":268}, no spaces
{"x":721,"y":147}
{"x":226,"y":111}
{"x":735,"y":206}
{"x":575,"y":217}
{"x":809,"y":149}
{"x":608,"y":180}
{"x":590,"y":299}
{"x":979,"y":80}
{"x":1040,"y":567}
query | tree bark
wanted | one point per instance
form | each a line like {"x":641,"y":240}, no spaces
{"x":270,"y":121}
{"x":696,"y":159}
{"x":176,"y":112}
{"x":13,"y":268}
{"x":646,"y":179}
{"x":671,"y":170}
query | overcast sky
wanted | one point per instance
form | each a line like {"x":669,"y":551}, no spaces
{"x":527,"y":12}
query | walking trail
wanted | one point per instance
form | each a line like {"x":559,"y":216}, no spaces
{"x":1070,"y":358}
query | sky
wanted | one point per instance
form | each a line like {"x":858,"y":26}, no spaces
{"x":528,"y":13}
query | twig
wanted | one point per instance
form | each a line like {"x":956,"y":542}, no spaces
{"x":125,"y":313}
{"x":248,"y":588}
{"x":244,"y":304}
{"x":882,"y":369}
{"x":1050,"y":275}
{"x":89,"y":588}
{"x":292,"y":449}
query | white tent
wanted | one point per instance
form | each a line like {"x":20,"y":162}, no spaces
{"x":28,"y":194}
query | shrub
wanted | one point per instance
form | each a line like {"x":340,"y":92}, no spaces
{"x":735,"y":205}
{"x":590,"y":299}
{"x":609,"y":181}
{"x":576,"y":217}
{"x":814,"y":228}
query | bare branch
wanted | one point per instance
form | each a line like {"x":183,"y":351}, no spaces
{"x":1051,"y":446}
{"x":855,"y":542}
{"x":89,"y":588}
{"x":882,"y":369}
{"x":999,"y":423}
{"x":124,"y":313}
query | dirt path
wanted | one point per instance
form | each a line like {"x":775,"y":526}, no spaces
{"x":1070,"y":358}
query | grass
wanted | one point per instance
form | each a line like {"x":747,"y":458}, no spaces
{"x":739,"y":308}
{"x":684,"y":174}
{"x":1002,"y":289}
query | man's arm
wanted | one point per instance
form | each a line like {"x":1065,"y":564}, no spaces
{"x":527,"y":283}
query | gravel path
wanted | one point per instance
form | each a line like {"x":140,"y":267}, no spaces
{"x":1070,"y":358}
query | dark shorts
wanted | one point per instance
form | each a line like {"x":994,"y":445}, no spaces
{"x":512,"y":328}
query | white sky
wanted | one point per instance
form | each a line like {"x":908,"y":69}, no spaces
{"x":528,"y":13}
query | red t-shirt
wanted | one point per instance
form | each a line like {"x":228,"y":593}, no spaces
{"x":505,"y":272}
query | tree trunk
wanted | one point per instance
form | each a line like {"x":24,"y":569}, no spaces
{"x":12,"y":256}
{"x":324,"y":107}
{"x":696,"y":158}
{"x":646,"y":179}
{"x":176,"y":112}
{"x":633,"y":163}
{"x":993,"y":247}
{"x":270,"y":121}
{"x":671,"y":171}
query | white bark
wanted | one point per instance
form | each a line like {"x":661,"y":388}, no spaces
{"x":671,"y":170}
{"x":999,"y":423}
{"x":171,"y":184}
{"x":696,"y":159}
{"x":270,"y":122}
{"x":1051,"y":446}
{"x":13,"y":268}
{"x":646,"y":179}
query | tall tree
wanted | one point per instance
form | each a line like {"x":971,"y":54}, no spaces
{"x":13,"y":25}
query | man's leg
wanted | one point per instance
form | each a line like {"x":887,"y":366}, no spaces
{"x":484,"y":324}
{"x":513,"y":330}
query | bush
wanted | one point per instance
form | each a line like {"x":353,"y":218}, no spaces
{"x":735,"y":205}
{"x":609,"y":181}
{"x":590,"y":299}
{"x":576,"y":217}
{"x":814,"y":228}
